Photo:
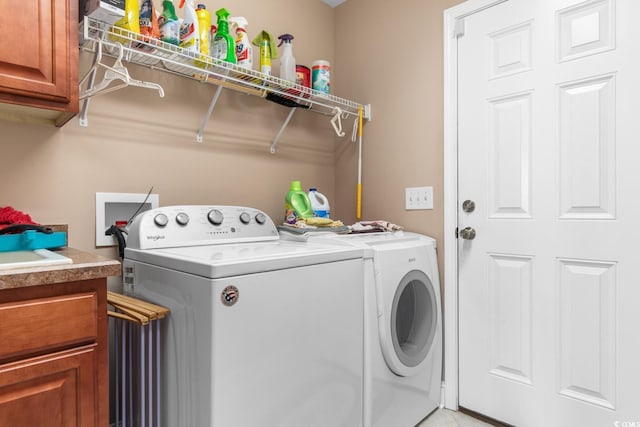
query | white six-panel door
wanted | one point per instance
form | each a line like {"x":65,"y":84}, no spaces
{"x":549,"y":152}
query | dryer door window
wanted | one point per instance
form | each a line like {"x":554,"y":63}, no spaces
{"x":413,"y":318}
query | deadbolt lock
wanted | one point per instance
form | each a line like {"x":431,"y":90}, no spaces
{"x":468,"y":206}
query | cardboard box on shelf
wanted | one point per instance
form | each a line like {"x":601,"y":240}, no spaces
{"x":108,"y":11}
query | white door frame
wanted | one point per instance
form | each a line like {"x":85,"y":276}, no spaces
{"x":453,"y":27}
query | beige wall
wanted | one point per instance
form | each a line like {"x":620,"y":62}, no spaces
{"x":391,"y":55}
{"x":136,"y":140}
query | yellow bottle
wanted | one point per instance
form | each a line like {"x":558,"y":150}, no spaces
{"x":268,"y":51}
{"x":204,"y":26}
{"x":130,"y":21}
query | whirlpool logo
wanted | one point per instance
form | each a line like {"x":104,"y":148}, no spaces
{"x":156,"y":237}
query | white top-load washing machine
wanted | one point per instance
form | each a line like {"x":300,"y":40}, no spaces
{"x":262,"y":332}
{"x":403,"y":325}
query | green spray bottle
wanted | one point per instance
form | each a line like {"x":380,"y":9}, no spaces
{"x":169,"y":24}
{"x":268,"y":51}
{"x":224,"y":46}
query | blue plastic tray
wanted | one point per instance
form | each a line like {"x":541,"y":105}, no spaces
{"x":31,"y":239}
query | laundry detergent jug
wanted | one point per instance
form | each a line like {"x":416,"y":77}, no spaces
{"x":297,"y":204}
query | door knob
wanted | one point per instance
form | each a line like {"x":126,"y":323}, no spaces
{"x":468,"y":206}
{"x":467,"y":233}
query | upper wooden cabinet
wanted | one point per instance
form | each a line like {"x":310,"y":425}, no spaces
{"x":39,"y":61}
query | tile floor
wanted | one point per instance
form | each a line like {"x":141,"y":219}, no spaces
{"x":446,"y":418}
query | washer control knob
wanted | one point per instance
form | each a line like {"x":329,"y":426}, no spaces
{"x":261,"y":218}
{"x":245,"y":218}
{"x":182,"y":218}
{"x":161,"y":220}
{"x":215,"y":217}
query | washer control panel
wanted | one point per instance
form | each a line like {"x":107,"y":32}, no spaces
{"x":176,"y":226}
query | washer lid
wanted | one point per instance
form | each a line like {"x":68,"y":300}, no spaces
{"x":216,"y":261}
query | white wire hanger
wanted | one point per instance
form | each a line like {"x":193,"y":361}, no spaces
{"x":336,"y":121}
{"x":113,"y":73}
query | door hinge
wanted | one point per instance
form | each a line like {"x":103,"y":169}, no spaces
{"x":458,"y":29}
{"x":456,"y":232}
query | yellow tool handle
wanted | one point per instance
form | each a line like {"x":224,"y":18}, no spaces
{"x":359,"y":189}
{"x":359,"y":202}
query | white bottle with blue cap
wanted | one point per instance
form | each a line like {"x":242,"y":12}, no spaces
{"x":319,"y":204}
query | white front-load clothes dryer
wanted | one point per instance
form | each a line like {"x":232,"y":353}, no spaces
{"x":262,"y":332}
{"x":402,"y":326}
{"x":404,"y":373}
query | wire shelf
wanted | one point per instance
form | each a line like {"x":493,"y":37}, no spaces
{"x":158,"y":55}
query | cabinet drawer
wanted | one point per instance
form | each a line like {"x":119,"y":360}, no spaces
{"x":47,"y":323}
{"x":58,"y":389}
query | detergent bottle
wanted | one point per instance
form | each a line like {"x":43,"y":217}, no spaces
{"x":148,"y":21}
{"x":297,"y":204}
{"x":244,"y":50}
{"x":204,"y":25}
{"x":212,"y":35}
{"x":169,"y":24}
{"x":130,"y":21}
{"x":319,"y":204}
{"x":224,"y":46}
{"x":268,"y":51}
{"x":189,"y":31}
{"x":287,"y":61}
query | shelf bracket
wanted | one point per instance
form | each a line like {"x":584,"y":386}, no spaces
{"x":214,"y":100}
{"x":84,"y":110}
{"x":272,"y":149}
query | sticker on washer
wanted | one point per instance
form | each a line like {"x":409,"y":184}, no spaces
{"x":229,"y":295}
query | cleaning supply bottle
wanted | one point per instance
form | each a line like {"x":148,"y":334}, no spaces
{"x":297,"y":204}
{"x":169,"y":24}
{"x":287,"y":61}
{"x":204,"y":25}
{"x":212,"y":35}
{"x":321,"y":76}
{"x":224,"y":46}
{"x":189,"y":31}
{"x":268,"y":51}
{"x":148,"y":21}
{"x":130,"y":21}
{"x":244,"y":50}
{"x":319,"y":204}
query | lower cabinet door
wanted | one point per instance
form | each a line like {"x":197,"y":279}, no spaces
{"x":57,"y":389}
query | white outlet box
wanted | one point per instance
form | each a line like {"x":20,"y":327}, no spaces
{"x":113,"y":207}
{"x":418,"y":198}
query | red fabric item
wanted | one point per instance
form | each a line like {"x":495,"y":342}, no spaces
{"x":9,"y":216}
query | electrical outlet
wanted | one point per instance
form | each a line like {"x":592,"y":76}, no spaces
{"x":112,"y":208}
{"x":418,"y":198}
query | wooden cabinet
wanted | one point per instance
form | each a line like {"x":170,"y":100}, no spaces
{"x":39,"y":61}
{"x":53,"y":356}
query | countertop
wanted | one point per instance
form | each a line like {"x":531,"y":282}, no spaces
{"x":85,"y":266}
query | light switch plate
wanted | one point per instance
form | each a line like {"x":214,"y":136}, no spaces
{"x":112,"y":207}
{"x":418,"y":198}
